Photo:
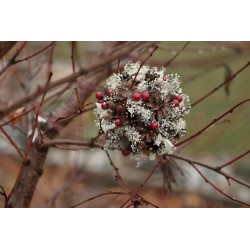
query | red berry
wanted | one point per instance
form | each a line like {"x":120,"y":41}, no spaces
{"x":175,"y":103}
{"x":154,"y":125}
{"x":126,"y":152}
{"x":165,"y":78}
{"x":178,"y":98}
{"x":98,"y":95}
{"x":136,"y":97}
{"x":100,"y":101}
{"x":118,"y":122}
{"x":109,"y":92}
{"x":145,"y":96}
{"x":104,"y":105}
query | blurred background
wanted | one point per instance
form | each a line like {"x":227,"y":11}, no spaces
{"x":71,"y":176}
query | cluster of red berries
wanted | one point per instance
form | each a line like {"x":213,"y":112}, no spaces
{"x":177,"y":101}
{"x":135,"y":97}
{"x":141,"y":110}
{"x":144,"y":95}
{"x":99,"y":97}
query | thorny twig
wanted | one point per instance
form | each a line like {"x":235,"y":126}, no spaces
{"x":119,"y":177}
{"x":215,"y":187}
{"x":227,"y":176}
{"x":99,"y":195}
{"x":141,"y":186}
{"x":12,"y":60}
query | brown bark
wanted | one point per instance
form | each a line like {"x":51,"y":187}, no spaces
{"x":5,"y":47}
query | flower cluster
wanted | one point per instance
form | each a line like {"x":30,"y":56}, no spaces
{"x":141,"y":111}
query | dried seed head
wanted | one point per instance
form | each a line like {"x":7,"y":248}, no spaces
{"x":143,"y":117}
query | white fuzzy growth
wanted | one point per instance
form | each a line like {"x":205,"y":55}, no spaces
{"x":135,"y":108}
{"x":141,"y":73}
{"x":131,"y":68}
{"x":180,"y":126}
{"x":165,"y":145}
{"x":99,"y":111}
{"x":142,"y":86}
{"x":132,"y":135}
{"x":114,"y":81}
{"x":107,"y":126}
{"x":140,"y":159}
{"x":152,"y":156}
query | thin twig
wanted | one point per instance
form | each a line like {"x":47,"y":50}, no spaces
{"x":30,"y":143}
{"x":227,"y":176}
{"x":97,"y":196}
{"x":36,"y":53}
{"x":177,"y":54}
{"x":3,"y":193}
{"x":213,"y":122}
{"x":13,"y":143}
{"x":215,"y":187}
{"x":142,"y":185}
{"x":221,"y":85}
{"x":235,"y":159}
{"x":119,"y":177}
{"x":12,"y":60}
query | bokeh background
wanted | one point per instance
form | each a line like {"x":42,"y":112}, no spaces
{"x":73,"y":176}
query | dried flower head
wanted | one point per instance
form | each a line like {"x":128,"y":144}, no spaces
{"x":143,"y":112}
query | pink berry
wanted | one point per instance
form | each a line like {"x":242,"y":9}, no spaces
{"x":178,"y":98}
{"x":104,"y":105}
{"x":118,"y":122}
{"x":98,"y":95}
{"x":136,"y":97}
{"x":145,"y":96}
{"x":175,"y":103}
{"x":154,"y":125}
{"x":165,"y":78}
{"x":109,"y":92}
{"x":126,"y":152}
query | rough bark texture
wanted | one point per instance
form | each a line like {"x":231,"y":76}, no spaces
{"x":33,"y":169}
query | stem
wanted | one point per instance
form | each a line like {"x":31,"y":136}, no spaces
{"x":214,"y":121}
{"x":219,"y":190}
{"x":221,"y":85}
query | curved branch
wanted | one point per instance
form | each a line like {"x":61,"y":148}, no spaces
{"x":227,"y":176}
{"x":214,"y":121}
{"x":221,"y":85}
{"x":216,"y":188}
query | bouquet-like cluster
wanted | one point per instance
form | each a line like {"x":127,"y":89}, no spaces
{"x":141,"y":111}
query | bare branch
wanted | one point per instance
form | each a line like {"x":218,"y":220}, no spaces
{"x":221,"y":85}
{"x":216,"y":188}
{"x":192,"y":137}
